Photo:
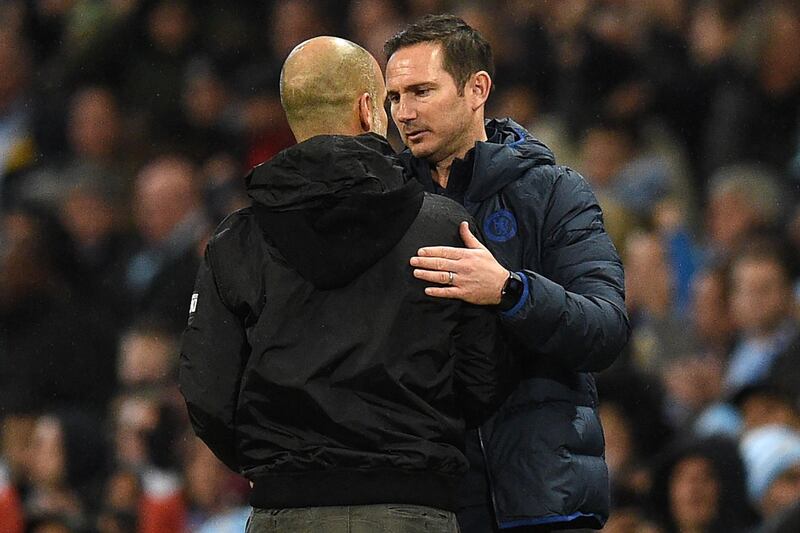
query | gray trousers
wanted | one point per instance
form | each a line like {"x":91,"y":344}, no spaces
{"x":388,"y":518}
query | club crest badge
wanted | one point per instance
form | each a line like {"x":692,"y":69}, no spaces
{"x":500,"y":226}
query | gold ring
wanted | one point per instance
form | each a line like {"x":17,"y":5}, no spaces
{"x":452,"y":276}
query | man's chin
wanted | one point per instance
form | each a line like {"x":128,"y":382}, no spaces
{"x":420,"y":151}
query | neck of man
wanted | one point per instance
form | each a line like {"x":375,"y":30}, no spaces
{"x":440,"y":171}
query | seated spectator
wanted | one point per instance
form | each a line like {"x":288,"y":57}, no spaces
{"x":207,"y":126}
{"x":693,"y":381}
{"x":622,"y":169}
{"x":94,"y":154}
{"x":699,"y":487}
{"x":147,"y":433}
{"x":711,"y":314}
{"x":772,"y":456}
{"x":283,"y":25}
{"x":632,"y":411}
{"x":121,"y":501}
{"x":659,"y":334}
{"x":68,"y":463}
{"x":765,"y":404}
{"x":762,"y":302}
{"x":755,"y":117}
{"x":743,"y":200}
{"x":172,"y":224}
{"x":153,"y":75}
{"x":51,"y":335}
{"x":102,"y":245}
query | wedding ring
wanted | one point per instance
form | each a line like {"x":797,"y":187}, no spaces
{"x":451,"y":277}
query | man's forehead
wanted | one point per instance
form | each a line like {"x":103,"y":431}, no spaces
{"x":422,"y":56}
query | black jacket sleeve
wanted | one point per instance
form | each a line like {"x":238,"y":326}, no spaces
{"x":214,"y":350}
{"x":573,"y":307}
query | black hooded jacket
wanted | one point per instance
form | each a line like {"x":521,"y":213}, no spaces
{"x":313,"y":362}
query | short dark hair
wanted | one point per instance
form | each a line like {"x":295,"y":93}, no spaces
{"x":465,"y":50}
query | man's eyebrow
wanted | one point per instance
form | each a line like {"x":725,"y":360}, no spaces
{"x":412,"y":87}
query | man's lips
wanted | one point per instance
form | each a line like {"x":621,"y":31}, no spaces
{"x":416,"y":135}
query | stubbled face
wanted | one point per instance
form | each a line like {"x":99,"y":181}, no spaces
{"x":433,"y":120}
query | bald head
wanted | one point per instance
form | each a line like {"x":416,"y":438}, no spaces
{"x":332,"y":86}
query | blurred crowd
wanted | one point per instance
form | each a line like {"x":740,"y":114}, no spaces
{"x":126,"y":127}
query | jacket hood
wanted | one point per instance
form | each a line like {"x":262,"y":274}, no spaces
{"x":508,"y":153}
{"x":334,"y":205}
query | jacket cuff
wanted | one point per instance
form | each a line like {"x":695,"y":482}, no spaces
{"x":522,"y":299}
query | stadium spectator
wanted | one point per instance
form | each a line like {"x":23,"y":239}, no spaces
{"x":172,"y":225}
{"x":42,"y":303}
{"x":699,"y":486}
{"x":68,"y":463}
{"x":762,"y":305}
{"x":772,"y":457}
{"x":743,"y":200}
{"x":94,"y":156}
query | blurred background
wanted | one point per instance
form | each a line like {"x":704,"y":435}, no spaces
{"x":126,"y":127}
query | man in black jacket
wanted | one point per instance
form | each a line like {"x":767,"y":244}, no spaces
{"x":313,"y":362}
{"x":550,"y":272}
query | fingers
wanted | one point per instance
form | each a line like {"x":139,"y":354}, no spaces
{"x":433,"y":276}
{"x":469,"y":239}
{"x":434,"y":263}
{"x":445,"y":252}
{"x":444,"y":292}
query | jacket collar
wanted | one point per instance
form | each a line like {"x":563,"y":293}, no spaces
{"x":507,"y":154}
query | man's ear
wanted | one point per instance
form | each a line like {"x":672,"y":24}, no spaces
{"x":365,"y":112}
{"x":478,"y":88}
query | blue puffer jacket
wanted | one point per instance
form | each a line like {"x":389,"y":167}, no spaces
{"x":544,"y":447}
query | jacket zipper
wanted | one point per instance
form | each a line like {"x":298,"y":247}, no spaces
{"x":488,"y":476}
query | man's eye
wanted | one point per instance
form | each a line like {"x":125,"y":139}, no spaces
{"x":393,"y":98}
{"x":423,"y":92}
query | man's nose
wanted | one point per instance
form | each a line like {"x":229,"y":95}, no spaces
{"x":404,"y":111}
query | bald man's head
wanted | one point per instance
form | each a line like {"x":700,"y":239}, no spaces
{"x":332,"y":86}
